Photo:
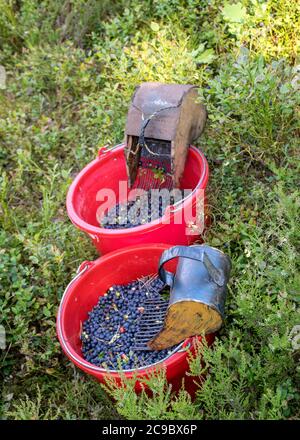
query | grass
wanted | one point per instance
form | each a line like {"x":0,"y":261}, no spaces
{"x":71,"y":68}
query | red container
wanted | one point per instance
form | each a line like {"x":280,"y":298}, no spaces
{"x":105,"y":172}
{"x":82,"y":294}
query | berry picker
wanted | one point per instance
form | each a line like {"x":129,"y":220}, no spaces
{"x":162,"y":121}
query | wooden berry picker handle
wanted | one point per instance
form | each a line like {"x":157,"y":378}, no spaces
{"x":197,"y":296}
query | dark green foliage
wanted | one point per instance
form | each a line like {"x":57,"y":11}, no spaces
{"x":71,"y":68}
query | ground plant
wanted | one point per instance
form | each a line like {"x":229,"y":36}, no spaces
{"x":67,"y":72}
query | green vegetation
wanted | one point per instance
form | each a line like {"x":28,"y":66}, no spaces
{"x":71,"y":67}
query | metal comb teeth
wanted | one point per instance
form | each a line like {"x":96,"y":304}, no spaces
{"x":155,"y":154}
{"x":151,"y":322}
{"x":153,"y":285}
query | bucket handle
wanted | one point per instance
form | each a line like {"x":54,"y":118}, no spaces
{"x":106,"y":149}
{"x":192,"y":253}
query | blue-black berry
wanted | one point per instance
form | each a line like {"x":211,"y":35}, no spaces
{"x":108,"y":334}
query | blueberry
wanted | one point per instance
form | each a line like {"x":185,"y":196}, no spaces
{"x":149,"y":209}
{"x":120,"y":308}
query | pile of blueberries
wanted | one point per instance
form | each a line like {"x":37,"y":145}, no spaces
{"x":143,"y":209}
{"x":108,"y":335}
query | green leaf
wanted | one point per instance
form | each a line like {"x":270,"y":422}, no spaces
{"x":65,"y":173}
{"x":154,"y":26}
{"x":198,"y":50}
{"x":47,"y":312}
{"x":215,"y":241}
{"x":2,"y":78}
{"x":235,"y":13}
{"x":206,"y":57}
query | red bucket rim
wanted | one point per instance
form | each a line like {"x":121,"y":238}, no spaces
{"x":82,"y":224}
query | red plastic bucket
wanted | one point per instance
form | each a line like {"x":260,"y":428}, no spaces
{"x":106,"y":171}
{"x":94,"y":278}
